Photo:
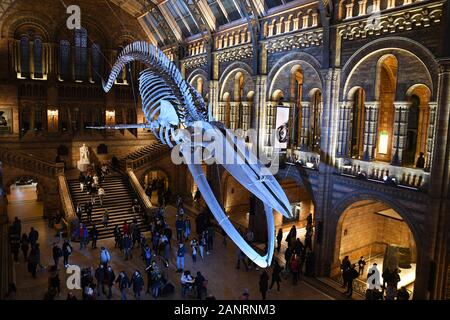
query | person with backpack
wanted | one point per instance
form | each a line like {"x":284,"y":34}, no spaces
{"x":94,"y":236}
{"x":138,"y":283}
{"x":109,"y":280}
{"x":293,"y":265}
{"x":147,"y":256}
{"x":57,"y":253}
{"x":67,"y":251}
{"x":100,"y":273}
{"x":105,"y":257}
{"x":180,"y":257}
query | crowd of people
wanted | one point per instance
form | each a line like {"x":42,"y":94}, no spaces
{"x":377,"y":290}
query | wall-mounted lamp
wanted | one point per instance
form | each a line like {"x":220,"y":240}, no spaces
{"x":52,"y":115}
{"x":110,"y":114}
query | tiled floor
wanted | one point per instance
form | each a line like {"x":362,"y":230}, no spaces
{"x":225,"y":281}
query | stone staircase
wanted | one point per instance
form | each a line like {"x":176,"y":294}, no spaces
{"x":118,"y":198}
{"x":143,"y":156}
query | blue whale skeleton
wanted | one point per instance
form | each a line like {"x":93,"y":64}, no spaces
{"x":169,"y":103}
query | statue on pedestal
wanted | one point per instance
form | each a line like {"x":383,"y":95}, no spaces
{"x":84,"y":162}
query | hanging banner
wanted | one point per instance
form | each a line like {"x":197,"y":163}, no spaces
{"x":281,"y":127}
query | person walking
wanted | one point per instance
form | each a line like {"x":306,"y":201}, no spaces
{"x":361,"y":265}
{"x":200,"y":284}
{"x":345,"y":265}
{"x":105,"y":219}
{"x":147,"y":256}
{"x":105,"y":257}
{"x":67,"y":251}
{"x":138,"y":283}
{"x":279,"y":239}
{"x":276,"y":275}
{"x":194,"y":246}
{"x":94,"y":236}
{"x":57,"y":253}
{"x":263,"y":284}
{"x":33,"y":236}
{"x":187,"y":228}
{"x":123,"y":283}
{"x":33,"y":260}
{"x":14,"y":241}
{"x":109,"y":280}
{"x":117,"y":236}
{"x":127,"y":246}
{"x":202,"y":245}
{"x":24,"y":246}
{"x":179,"y":226}
{"x":180,"y":257}
{"x":100,"y":274}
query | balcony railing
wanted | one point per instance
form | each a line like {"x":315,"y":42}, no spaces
{"x":411,"y":178}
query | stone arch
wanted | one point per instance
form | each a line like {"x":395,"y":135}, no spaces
{"x":15,"y":20}
{"x":197,"y":73}
{"x":310,"y":68}
{"x":413,"y":58}
{"x":227,"y":79}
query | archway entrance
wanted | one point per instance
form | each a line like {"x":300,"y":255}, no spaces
{"x":24,"y":199}
{"x":375,"y":231}
{"x":156,"y":184}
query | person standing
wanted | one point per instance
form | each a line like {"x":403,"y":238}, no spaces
{"x":117,"y":236}
{"x":180,"y":257}
{"x":279,"y":239}
{"x":187,"y":228}
{"x":109,"y":279}
{"x":105,"y":219}
{"x":81,"y":180}
{"x":194,"y":246}
{"x":33,"y":236}
{"x":94,"y":236}
{"x":57,"y":253}
{"x":276,"y":275}
{"x":263,"y":284}
{"x":14,"y":241}
{"x":345,"y":265}
{"x":100,"y":274}
{"x":293,"y":264}
{"x":25,"y":246}
{"x":127,"y":246}
{"x":33,"y":260}
{"x":105,"y":257}
{"x":79,"y":212}
{"x":179,"y":226}
{"x":123,"y":282}
{"x":138,"y":283}
{"x":67,"y":251}
{"x":200,"y":284}
{"x":147,"y":256}
{"x":101,"y":195}
{"x":352,"y":274}
{"x":361,"y":265}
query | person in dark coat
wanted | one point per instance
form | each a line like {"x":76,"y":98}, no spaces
{"x":263,"y":284}
{"x":276,"y":275}
{"x":138,"y":283}
{"x":117,"y":236}
{"x":67,"y":251}
{"x":287,"y":257}
{"x":57,"y":253}
{"x":100,"y":277}
{"x":123,"y":283}
{"x":279,"y":239}
{"x":14,"y":241}
{"x":345,"y":265}
{"x":25,"y":246}
{"x":200,"y":284}
{"x":94,"y":236}
{"x":33,"y":260}
{"x":351,"y":274}
{"x":33,"y":236}
{"x":109,"y":280}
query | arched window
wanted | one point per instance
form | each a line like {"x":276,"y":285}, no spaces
{"x":316,"y":117}
{"x":80,"y":54}
{"x":412,"y":132}
{"x":37,"y":48}
{"x":96,"y":75}
{"x":385,"y":93}
{"x":64,"y":57}
{"x":24,"y":57}
{"x":357,"y":124}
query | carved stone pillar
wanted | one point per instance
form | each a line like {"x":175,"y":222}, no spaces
{"x":362,"y":7}
{"x":370,"y":130}
{"x":305,"y":125}
{"x":259,"y":109}
{"x":349,"y":10}
{"x":400,"y":130}
{"x":214,"y":98}
{"x":344,"y":129}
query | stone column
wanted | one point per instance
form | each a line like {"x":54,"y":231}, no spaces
{"x":214,"y":98}
{"x":305,"y":125}
{"x":344,"y":129}
{"x":257,"y":220}
{"x":400,"y":130}
{"x":430,"y":135}
{"x":259,"y":109}
{"x":370,"y":130}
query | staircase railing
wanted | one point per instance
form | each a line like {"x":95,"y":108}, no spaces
{"x":23,"y":161}
{"x":66,"y":203}
{"x":143,"y":198}
{"x":140,"y":162}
